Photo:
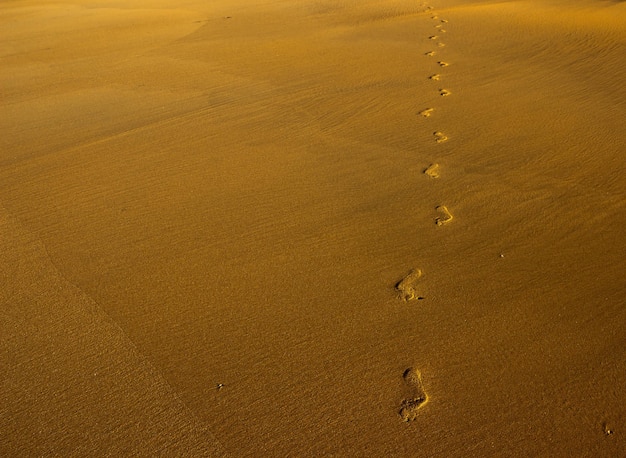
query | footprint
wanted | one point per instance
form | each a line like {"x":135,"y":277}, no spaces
{"x":440,"y":137}
{"x":433,"y":37}
{"x":444,"y":92}
{"x":435,"y":77}
{"x":443,"y":64}
{"x":427,"y":112}
{"x":430,"y":53}
{"x":445,"y":21}
{"x":406,"y":287}
{"x":432,"y":171}
{"x":445,"y":217}
{"x":441,"y":45}
{"x":417,"y":399}
{"x":434,"y":17}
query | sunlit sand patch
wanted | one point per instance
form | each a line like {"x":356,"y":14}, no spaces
{"x":445,"y":217}
{"x":418,"y":398}
{"x":406,"y":287}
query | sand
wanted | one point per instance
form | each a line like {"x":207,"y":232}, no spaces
{"x":348,"y":228}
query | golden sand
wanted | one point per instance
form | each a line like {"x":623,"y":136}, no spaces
{"x":211,"y":212}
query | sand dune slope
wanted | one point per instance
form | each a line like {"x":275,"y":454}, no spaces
{"x":314,"y":228}
{"x":72,"y":382}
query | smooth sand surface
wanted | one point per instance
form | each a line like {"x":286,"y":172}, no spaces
{"x":278,"y":228}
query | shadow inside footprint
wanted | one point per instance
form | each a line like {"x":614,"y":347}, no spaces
{"x":410,"y":406}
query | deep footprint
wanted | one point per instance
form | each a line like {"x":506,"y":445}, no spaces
{"x":427,"y":112}
{"x":432,"y":171}
{"x":406,"y":287}
{"x":443,"y":64}
{"x":411,"y":405}
{"x":444,"y":92}
{"x":445,"y":217}
{"x":440,"y":137}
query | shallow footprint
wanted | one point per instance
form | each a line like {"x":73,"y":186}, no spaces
{"x":435,"y":77}
{"x":432,"y":171}
{"x":441,"y":45}
{"x":430,"y":53}
{"x":440,"y":137}
{"x":443,"y":64}
{"x":433,"y":37}
{"x":445,"y":217}
{"x":410,"y":406}
{"x":406,"y":287}
{"x":427,"y":112}
{"x":444,"y":92}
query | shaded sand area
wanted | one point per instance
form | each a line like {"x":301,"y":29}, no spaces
{"x":350,"y":228}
